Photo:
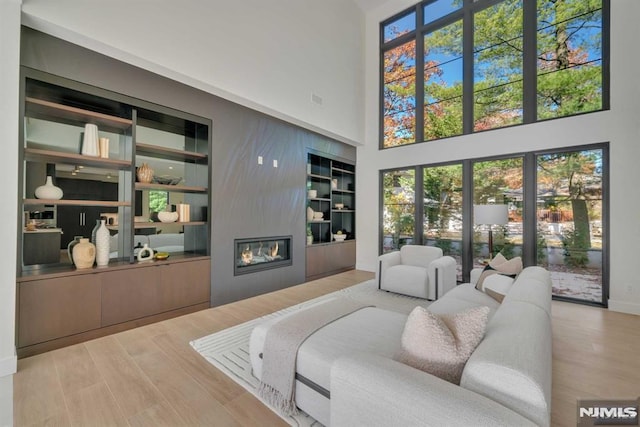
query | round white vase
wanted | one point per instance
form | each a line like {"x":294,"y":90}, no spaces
{"x":48,"y":191}
{"x":102,"y":244}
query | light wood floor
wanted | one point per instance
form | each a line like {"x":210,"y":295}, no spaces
{"x":150,"y":376}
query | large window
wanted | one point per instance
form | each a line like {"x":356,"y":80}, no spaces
{"x":551,"y":211}
{"x":452,"y":67}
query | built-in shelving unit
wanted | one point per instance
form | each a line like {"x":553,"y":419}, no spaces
{"x":330,"y":190}
{"x":59,"y":304}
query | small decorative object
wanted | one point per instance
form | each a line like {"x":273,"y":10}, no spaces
{"x":146,"y":253}
{"x":318,"y":216}
{"x":144,"y":173}
{"x":312,"y":194}
{"x":339,"y":236}
{"x":184,"y":212}
{"x":334,"y":184}
{"x":90,"y":141}
{"x":309,"y":236}
{"x":71,"y":245}
{"x":166,"y":180}
{"x":162,"y":255}
{"x":102,"y":245}
{"x":84,"y":254}
{"x":309,"y":213}
{"x":103,"y":144}
{"x":339,"y":205}
{"x":48,"y":190}
{"x":168,"y":216}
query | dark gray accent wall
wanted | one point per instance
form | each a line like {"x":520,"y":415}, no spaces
{"x":248,"y":200}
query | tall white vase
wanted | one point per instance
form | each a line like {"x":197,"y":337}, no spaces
{"x":48,"y":191}
{"x":90,"y":140}
{"x":102,"y":244}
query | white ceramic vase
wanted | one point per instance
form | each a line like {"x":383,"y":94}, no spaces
{"x":84,"y":254}
{"x":309,"y":213}
{"x":48,"y":191}
{"x":102,"y":244}
{"x":90,"y":141}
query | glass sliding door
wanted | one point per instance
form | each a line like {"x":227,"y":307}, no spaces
{"x":399,"y":207}
{"x":442,"y":210}
{"x":569,"y":222}
{"x":498,"y":182}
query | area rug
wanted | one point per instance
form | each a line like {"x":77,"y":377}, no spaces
{"x":228,"y":350}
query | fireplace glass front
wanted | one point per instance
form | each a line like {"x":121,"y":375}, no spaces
{"x":258,"y":254}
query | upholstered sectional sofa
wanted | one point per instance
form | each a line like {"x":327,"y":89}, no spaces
{"x":346,"y":374}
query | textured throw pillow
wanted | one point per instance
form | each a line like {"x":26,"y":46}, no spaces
{"x":441,"y":344}
{"x":500,"y":265}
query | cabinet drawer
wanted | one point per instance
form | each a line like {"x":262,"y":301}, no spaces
{"x":130,"y":294}
{"x":54,"y":308}
{"x":184,"y":284}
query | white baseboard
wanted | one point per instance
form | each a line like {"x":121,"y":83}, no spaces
{"x":624,"y":307}
{"x":9,"y":365}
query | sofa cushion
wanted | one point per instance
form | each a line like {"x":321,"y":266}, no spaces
{"x":406,"y":280}
{"x":533,"y":286}
{"x":440,"y":345}
{"x":463,"y":297}
{"x":500,"y":265}
{"x":497,"y":286}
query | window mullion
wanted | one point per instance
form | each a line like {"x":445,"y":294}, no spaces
{"x":419,"y":77}
{"x":530,"y":63}
{"x":467,"y":72}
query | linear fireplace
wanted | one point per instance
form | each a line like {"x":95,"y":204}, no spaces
{"x":264,"y":253}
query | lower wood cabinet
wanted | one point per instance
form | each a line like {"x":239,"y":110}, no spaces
{"x":326,"y":259}
{"x":57,"y":311}
{"x":54,"y":308}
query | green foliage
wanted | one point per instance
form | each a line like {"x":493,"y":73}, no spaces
{"x":569,"y":68}
{"x":575,"y":253}
{"x":158,"y":200}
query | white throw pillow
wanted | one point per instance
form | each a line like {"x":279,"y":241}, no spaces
{"x":441,"y":344}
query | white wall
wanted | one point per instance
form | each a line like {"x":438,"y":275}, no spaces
{"x":270,"y":56}
{"x":9,"y":82}
{"x":620,"y":126}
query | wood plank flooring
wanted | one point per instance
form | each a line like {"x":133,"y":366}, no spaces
{"x":150,"y":376}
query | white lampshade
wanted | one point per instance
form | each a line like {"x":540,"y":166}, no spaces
{"x":490,"y":214}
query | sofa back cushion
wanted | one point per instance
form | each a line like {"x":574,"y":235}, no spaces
{"x":419,"y":256}
{"x":512,"y":364}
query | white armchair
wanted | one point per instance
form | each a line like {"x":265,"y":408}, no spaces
{"x":419,"y":271}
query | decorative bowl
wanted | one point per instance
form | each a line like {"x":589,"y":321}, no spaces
{"x":168,"y":216}
{"x":312,"y":194}
{"x":339,"y":205}
{"x":161,"y":255}
{"x":318,"y":216}
{"x":166,"y":179}
{"x":339,"y":237}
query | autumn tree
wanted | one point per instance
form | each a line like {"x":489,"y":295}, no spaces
{"x":569,"y":63}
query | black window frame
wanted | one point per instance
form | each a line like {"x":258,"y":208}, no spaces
{"x":466,"y":14}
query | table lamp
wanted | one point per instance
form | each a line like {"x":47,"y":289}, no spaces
{"x":490,"y":215}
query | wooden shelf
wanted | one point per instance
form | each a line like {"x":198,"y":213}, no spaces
{"x":51,"y":156}
{"x":175,"y":188}
{"x":320,"y":199}
{"x":39,"y":108}
{"x":336,"y":190}
{"x":150,"y":150}
{"x":343,"y":210}
{"x":343,"y":171}
{"x":322,"y":177}
{"x":63,"y":202}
